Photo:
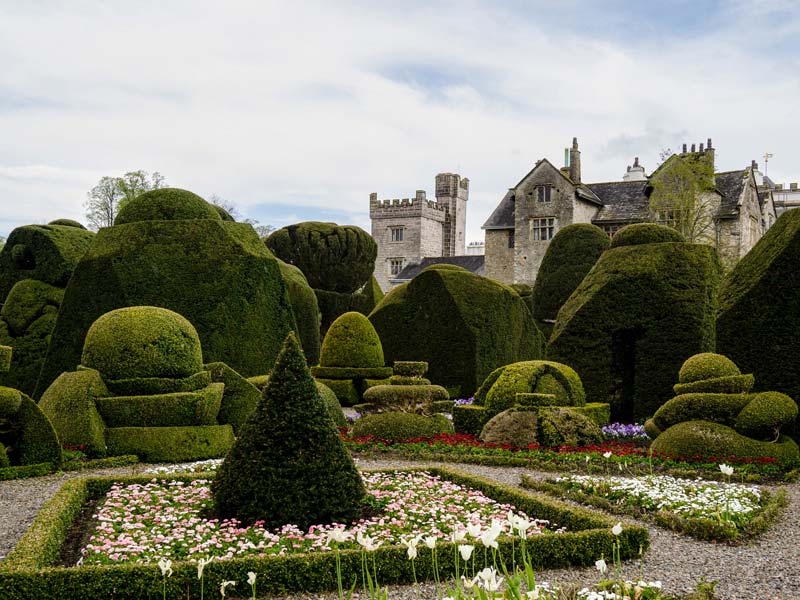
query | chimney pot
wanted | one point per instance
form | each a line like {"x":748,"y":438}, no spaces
{"x":701,"y":146}
{"x":693,"y":148}
{"x":709,"y":144}
{"x":684,"y":148}
{"x":636,"y":161}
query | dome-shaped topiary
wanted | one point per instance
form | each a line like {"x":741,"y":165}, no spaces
{"x":352,"y":341}
{"x":707,"y":365}
{"x":443,"y":267}
{"x":645,"y":233}
{"x":224,"y":214}
{"x":166,"y":204}
{"x":67,"y":223}
{"x":142,"y":341}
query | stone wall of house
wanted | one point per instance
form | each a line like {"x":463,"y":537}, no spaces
{"x":499,"y":263}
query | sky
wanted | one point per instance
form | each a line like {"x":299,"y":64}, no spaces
{"x":296,"y":111}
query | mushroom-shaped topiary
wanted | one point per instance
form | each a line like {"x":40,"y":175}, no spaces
{"x":645,"y":233}
{"x":706,"y":365}
{"x":166,"y":204}
{"x":289,"y":464}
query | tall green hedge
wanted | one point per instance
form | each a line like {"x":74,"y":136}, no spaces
{"x":217,"y":274}
{"x":634,"y":319}
{"x":569,"y":257}
{"x":759,"y":309}
{"x":462,"y":324}
{"x":305,"y":308}
{"x":289,"y":464}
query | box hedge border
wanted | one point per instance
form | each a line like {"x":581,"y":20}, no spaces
{"x":27,"y":572}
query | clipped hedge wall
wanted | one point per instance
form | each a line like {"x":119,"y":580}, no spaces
{"x":27,"y":574}
{"x":634,"y":319}
{"x":171,"y":444}
{"x":163,"y":410}
{"x":239,"y":398}
{"x":305,"y":308}
{"x":470,"y":418}
{"x":217,"y":274}
{"x":137,"y":386}
{"x":759,"y":312}
{"x":335,"y":258}
{"x":463,"y":325}
{"x":399,"y":426}
{"x":570,"y":255}
{"x":166,"y":204}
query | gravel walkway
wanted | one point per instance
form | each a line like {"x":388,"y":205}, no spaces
{"x":767,"y":568}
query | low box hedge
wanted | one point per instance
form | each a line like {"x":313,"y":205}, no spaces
{"x":29,"y":572}
{"x":171,"y":444}
{"x":163,"y":410}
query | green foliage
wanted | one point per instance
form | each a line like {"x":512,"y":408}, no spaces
{"x":533,"y":376}
{"x":547,"y":426}
{"x":4,"y":461}
{"x":406,"y":380}
{"x":463,"y":325}
{"x":305,"y":308}
{"x":598,"y":412}
{"x":333,"y":305}
{"x":345,"y":390}
{"x":331,"y":405}
{"x":288,"y":464}
{"x":10,"y":401}
{"x":26,"y":322}
{"x":239,"y":398}
{"x":6,"y":353}
{"x":717,"y":408}
{"x":707,"y":365}
{"x":336,"y":258}
{"x":732,"y":384}
{"x":352,"y":341}
{"x":37,"y":441}
{"x":69,"y":403}
{"x":47,"y":253}
{"x":569,"y":257}
{"x":142,"y":341}
{"x":645,"y":233}
{"x":26,"y":574}
{"x":470,"y":418}
{"x":171,"y":444}
{"x":67,"y":223}
{"x":368,"y":298}
{"x":163,"y":410}
{"x":399,"y":426}
{"x":217,"y":274}
{"x":766,"y":415}
{"x":112,"y":194}
{"x":138,"y":386}
{"x":410,"y":368}
{"x":702,"y":438}
{"x":166,"y":204}
{"x":634,"y":319}
{"x":444,"y":267}
{"x":352,"y":372}
{"x":404,"y":397}
{"x":759,"y":310}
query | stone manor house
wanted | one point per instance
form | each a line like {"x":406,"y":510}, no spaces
{"x":549,"y":198}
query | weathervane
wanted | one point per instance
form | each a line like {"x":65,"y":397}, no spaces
{"x":767,"y":156}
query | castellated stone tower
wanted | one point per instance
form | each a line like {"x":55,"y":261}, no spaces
{"x":409,"y":230}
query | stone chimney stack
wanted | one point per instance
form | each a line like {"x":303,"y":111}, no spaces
{"x":575,"y":162}
{"x":694,"y":148}
{"x":684,"y":149}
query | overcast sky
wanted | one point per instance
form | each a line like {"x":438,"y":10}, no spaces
{"x":297,"y":110}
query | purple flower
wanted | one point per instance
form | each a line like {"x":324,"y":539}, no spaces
{"x":464,"y":401}
{"x":625,"y":430}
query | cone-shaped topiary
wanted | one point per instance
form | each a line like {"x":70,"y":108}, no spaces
{"x":289,"y":464}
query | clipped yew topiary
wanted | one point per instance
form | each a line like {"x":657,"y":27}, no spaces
{"x":759,"y":312}
{"x":645,"y":233}
{"x":217,"y":274}
{"x":634,"y":319}
{"x":166,"y":204}
{"x":67,"y":223}
{"x":463,"y":325}
{"x":305,"y":308}
{"x":400,"y":426}
{"x":289,"y":464}
{"x":569,"y":257}
{"x":544,"y":426}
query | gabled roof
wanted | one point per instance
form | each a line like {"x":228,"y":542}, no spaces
{"x":622,"y":200}
{"x":540,"y":163}
{"x":503,"y":215}
{"x":730,"y":184}
{"x":473,"y":263}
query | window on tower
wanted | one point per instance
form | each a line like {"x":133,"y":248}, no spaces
{"x":397,"y":234}
{"x":395,"y":266}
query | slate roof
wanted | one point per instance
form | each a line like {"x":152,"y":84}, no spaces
{"x":730,"y":184}
{"x":503,"y":215}
{"x":474,"y":263}
{"x":622,"y":201}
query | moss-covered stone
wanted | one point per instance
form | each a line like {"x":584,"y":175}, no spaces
{"x":171,"y":444}
{"x":162,"y":410}
{"x":463,"y":325}
{"x":569,"y":257}
{"x":544,"y":426}
{"x":142,"y":341}
{"x":217,"y":274}
{"x":633,"y":320}
{"x":305,"y":308}
{"x":352,"y":341}
{"x":239,"y":397}
{"x":69,"y":403}
{"x":335,"y":258}
{"x":759,"y":312}
{"x":289,"y":464}
{"x":166,"y":204}
{"x":766,"y":415}
{"x":704,"y":439}
{"x":399,"y":426}
{"x":645,"y":233}
{"x":707,"y":365}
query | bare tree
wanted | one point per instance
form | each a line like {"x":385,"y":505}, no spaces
{"x":112,"y":193}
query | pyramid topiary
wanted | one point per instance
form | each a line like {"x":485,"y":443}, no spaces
{"x":289,"y":464}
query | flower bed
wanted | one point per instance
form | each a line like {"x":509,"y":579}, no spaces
{"x":29,"y":571}
{"x":704,"y":509}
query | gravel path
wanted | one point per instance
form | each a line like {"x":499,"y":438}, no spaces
{"x":767,"y":568}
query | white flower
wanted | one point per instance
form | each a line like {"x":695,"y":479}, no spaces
{"x":339,"y":535}
{"x":466,"y":551}
{"x":617,"y":529}
{"x":587,"y":458}
{"x":165,"y":565}
{"x":726,"y":469}
{"x":474,"y":529}
{"x":532,"y":594}
{"x":488,"y":580}
{"x":367,"y":542}
{"x":225,"y":585}
{"x":458,"y":535}
{"x":607,"y":454}
{"x":522,"y":524}
{"x":601,"y":566}
{"x":489,"y":538}
{"x":411,"y":546}
{"x":430,"y":541}
{"x":251,"y":578}
{"x":201,"y":564}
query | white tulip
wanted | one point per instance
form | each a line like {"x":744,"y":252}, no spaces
{"x":339,"y":535}
{"x":466,"y":551}
{"x":474,"y":529}
{"x":458,"y":535}
{"x":617,"y":529}
{"x":430,"y":541}
{"x":726,"y":469}
{"x":251,"y":578}
{"x":165,"y":565}
{"x":601,"y":566}
{"x":225,"y":585}
{"x":607,"y":454}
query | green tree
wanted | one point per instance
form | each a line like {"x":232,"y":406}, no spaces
{"x":683,"y":198}
{"x":112,"y":193}
{"x":263,"y":231}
